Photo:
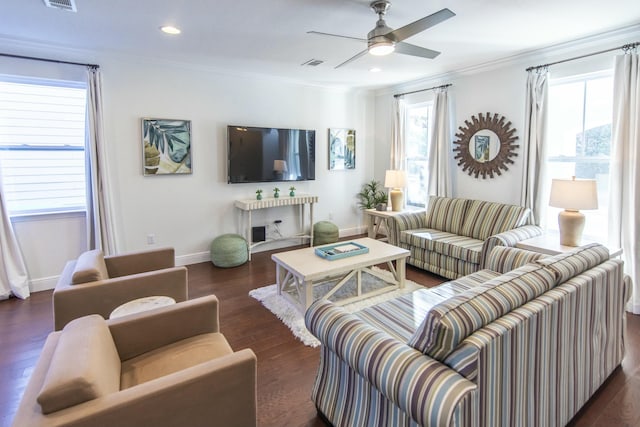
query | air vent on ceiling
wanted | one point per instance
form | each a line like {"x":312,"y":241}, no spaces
{"x":69,"y":5}
{"x":313,"y":62}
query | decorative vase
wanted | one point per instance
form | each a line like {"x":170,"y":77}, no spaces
{"x":276,"y":194}
{"x":292,"y":193}
{"x":259,"y":196}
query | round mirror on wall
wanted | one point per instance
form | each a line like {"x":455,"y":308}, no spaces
{"x":485,"y":145}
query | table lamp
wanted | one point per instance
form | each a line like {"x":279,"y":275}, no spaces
{"x":572,"y":195}
{"x":396,"y":180}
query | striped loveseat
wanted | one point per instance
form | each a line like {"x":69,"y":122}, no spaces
{"x":525,"y":342}
{"x":455,"y":236}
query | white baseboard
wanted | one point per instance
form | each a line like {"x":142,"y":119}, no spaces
{"x":43,"y":284}
{"x":193,"y":258}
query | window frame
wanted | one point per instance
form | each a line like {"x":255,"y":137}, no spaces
{"x":408,"y":108}
{"x":48,"y":82}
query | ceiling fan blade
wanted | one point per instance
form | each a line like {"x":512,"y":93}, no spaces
{"x":410,"y":49}
{"x":353,"y":58}
{"x":414,"y":28}
{"x":335,"y":35}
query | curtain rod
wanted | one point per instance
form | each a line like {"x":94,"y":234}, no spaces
{"x":33,"y":58}
{"x":624,"y":47}
{"x":398,"y":95}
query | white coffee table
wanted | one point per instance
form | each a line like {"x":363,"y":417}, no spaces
{"x":141,"y":304}
{"x":299,"y":270}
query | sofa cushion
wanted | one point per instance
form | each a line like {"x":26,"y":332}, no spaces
{"x":484,"y":219}
{"x":446,"y":214}
{"x":89,"y":267}
{"x":569,"y":264}
{"x":85,"y":365}
{"x":400,"y":317}
{"x":445,"y":243}
{"x":451,"y":321}
{"x":172,"y":358}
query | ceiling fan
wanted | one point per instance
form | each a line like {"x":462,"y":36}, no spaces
{"x":383,"y":40}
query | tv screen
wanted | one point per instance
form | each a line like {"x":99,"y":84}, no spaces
{"x":257,"y":154}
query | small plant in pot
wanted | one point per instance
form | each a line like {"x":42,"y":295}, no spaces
{"x":276,"y":192}
{"x":372,"y":196}
{"x":258,"y":194}
{"x":292,"y":191}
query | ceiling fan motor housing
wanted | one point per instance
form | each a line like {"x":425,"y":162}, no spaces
{"x":377,"y":35}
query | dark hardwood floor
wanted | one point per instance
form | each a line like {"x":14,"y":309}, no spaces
{"x":286,"y":368}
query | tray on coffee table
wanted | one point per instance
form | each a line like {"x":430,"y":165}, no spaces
{"x":341,"y":250}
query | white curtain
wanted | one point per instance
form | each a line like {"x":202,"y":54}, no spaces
{"x":534,"y":193}
{"x":397,"y":139}
{"x":101,"y":229}
{"x":440,"y":152}
{"x":13,"y":272}
{"x":624,"y":202}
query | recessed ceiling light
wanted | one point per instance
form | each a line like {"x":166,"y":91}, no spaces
{"x":169,"y":29}
{"x":375,"y":70}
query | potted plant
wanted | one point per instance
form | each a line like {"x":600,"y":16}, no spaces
{"x":258,"y":194}
{"x":276,"y":192}
{"x":292,"y":190}
{"x":372,"y":196}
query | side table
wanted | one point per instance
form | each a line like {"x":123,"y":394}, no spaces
{"x":140,"y":305}
{"x":549,"y":243}
{"x":383,"y":218}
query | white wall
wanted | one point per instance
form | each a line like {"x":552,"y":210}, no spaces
{"x":188,"y":211}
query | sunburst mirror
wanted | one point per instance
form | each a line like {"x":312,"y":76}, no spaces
{"x":485,"y":145}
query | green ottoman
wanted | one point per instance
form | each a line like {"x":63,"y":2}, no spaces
{"x":229,"y":250}
{"x":324,"y":232}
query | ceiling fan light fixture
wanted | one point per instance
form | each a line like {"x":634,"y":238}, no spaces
{"x":381,"y":48}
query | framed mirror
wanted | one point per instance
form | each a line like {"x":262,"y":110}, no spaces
{"x":485,"y":145}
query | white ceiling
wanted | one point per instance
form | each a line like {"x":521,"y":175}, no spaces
{"x":270,"y":36}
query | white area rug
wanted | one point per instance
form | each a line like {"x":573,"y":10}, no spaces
{"x":291,"y":316}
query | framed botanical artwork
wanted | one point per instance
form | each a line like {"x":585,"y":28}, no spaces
{"x":166,"y":146}
{"x":342,"y":149}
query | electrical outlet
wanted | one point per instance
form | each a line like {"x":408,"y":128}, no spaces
{"x":151,"y":239}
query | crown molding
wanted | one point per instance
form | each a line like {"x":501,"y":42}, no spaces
{"x":526,"y":59}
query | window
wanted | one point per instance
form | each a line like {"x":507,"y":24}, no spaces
{"x":579,"y":137}
{"x":417,"y":134}
{"x":42,"y":138}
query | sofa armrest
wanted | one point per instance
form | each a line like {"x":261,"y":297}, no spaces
{"x":427,"y":390}
{"x":149,"y":330}
{"x":140,"y":262}
{"x":508,"y":238}
{"x":103,"y":296}
{"x":503,"y":259}
{"x":405,"y":221}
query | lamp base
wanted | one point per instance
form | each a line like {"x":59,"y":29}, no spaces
{"x":571,"y":224}
{"x":396,"y":197}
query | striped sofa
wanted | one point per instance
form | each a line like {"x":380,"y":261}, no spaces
{"x":524,"y":342}
{"x":455,"y":236}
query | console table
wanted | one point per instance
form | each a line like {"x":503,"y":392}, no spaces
{"x":246,"y":206}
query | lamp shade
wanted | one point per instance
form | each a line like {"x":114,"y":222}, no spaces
{"x":574,"y":194}
{"x":395,"y":179}
{"x":280,"y":165}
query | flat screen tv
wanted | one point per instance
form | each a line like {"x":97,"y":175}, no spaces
{"x":257,"y":154}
